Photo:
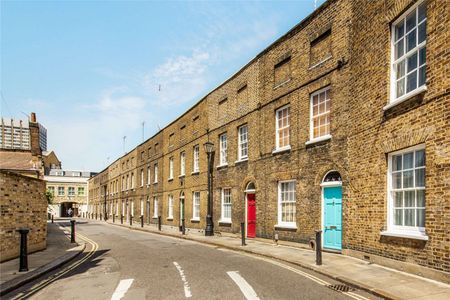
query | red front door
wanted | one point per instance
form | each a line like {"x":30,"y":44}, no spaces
{"x":251,"y":215}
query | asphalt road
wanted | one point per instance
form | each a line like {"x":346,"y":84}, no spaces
{"x":137,"y":265}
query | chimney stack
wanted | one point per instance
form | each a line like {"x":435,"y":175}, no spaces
{"x":33,"y":117}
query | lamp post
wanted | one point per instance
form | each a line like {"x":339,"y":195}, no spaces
{"x":209,"y":149}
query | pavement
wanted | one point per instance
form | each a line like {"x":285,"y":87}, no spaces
{"x":378,"y":280}
{"x":58,"y":252}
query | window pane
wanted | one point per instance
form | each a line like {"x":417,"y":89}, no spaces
{"x":398,"y":197}
{"x":420,"y":178}
{"x":420,"y":158}
{"x":422,"y":11}
{"x":399,"y":30}
{"x":408,"y":159}
{"x":398,"y":217}
{"x":422,"y":76}
{"x":411,"y":82}
{"x":422,"y":32}
{"x":399,"y":48}
{"x":401,"y":69}
{"x":401,"y":87}
{"x":408,"y":179}
{"x":397,"y":180}
{"x":396,"y":162}
{"x":412,"y":62}
{"x":409,"y":217}
{"x":411,"y":40}
{"x":420,"y":214}
{"x":411,"y":21}
{"x":420,"y":198}
{"x":409,"y":199}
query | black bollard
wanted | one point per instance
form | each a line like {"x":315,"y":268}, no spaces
{"x":114,"y":219}
{"x":159,"y":223}
{"x":121,"y":219}
{"x":52,"y":219}
{"x":142,"y":221}
{"x":243,"y":234}
{"x":72,"y":231}
{"x":318,"y":247}
{"x":183,"y":227}
{"x":131,"y":220}
{"x":23,"y":249}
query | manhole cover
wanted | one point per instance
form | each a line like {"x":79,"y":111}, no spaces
{"x":340,"y":287}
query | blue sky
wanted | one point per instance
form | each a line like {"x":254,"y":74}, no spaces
{"x":91,"y":70}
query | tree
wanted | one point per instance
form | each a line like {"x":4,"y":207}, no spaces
{"x":49,"y":196}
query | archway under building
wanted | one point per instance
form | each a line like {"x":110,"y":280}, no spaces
{"x":68,"y":209}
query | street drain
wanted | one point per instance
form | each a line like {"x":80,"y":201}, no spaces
{"x":340,"y":287}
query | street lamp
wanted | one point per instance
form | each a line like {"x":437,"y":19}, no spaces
{"x":209,"y":149}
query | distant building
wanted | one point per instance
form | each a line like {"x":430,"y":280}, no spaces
{"x":50,"y":161}
{"x":16,"y":134}
{"x":69,"y":190}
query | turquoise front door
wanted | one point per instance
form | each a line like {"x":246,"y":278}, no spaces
{"x":332,"y":218}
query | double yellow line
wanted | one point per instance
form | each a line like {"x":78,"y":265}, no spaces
{"x":54,"y":277}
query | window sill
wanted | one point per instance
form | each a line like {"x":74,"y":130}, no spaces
{"x":320,"y":62}
{"x":281,"y":150}
{"x":319,"y":139}
{"x":241,"y":161}
{"x":181,"y":176}
{"x":156,"y":182}
{"x":405,"y":97}
{"x":154,"y":218}
{"x":224,"y":221}
{"x":169,"y":219}
{"x":195,"y":220}
{"x":195,"y":173}
{"x":285,"y":227}
{"x":278,"y":85}
{"x":170,"y":179}
{"x":222,"y":166}
{"x":406,"y":235}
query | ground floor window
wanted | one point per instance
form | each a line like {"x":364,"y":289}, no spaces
{"x":170,"y":208}
{"x":406,"y":191}
{"x":155,"y":207}
{"x":286,"y":204}
{"x":196,"y":206}
{"x":226,"y":205}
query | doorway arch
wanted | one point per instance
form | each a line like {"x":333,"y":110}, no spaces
{"x":332,"y":210}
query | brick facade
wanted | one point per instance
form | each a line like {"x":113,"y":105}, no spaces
{"x":332,"y":48}
{"x":23,"y":205}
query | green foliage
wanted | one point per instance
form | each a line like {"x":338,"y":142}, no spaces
{"x":49,"y":196}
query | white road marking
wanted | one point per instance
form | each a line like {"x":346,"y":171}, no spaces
{"x":122,"y":288}
{"x":187,"y":288}
{"x":246,"y":288}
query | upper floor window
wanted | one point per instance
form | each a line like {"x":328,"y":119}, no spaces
{"x":155,"y":173}
{"x":51,"y":190}
{"x":61,"y":191}
{"x":132,"y":180}
{"x":320,"y":49}
{"x":128,"y":182}
{"x":282,"y":128}
{"x":171,"y":168}
{"x":282,"y":71}
{"x":148,"y":175}
{"x":142,"y":177}
{"x":196,"y":159}
{"x":406,"y":190}
{"x":320,"y":114}
{"x":171,"y":139}
{"x":71,"y":191}
{"x":409,"y":53}
{"x":226,"y":205}
{"x":80,"y":191}
{"x":223,"y":148}
{"x":243,"y":142}
{"x":182,"y":163}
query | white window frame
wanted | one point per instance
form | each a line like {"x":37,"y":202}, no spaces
{"x":142,"y":207}
{"x":393,"y":80}
{"x":155,"y":175}
{"x":325,"y":137}
{"x":281,"y":223}
{"x":155,"y":207}
{"x":148,"y":175}
{"x":69,"y":189}
{"x":51,"y":190}
{"x":196,"y":161}
{"x":170,"y":168}
{"x":132,"y":180}
{"x":223,"y":148}
{"x":241,"y":143}
{"x":132,"y":208}
{"x":63,"y":189}
{"x":196,"y":206}
{"x":397,"y":230}
{"x":226,"y":206}
{"x":170,"y":208}
{"x":142,"y":177}
{"x":182,"y":163}
{"x":278,"y":129}
{"x":81,"y":188}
